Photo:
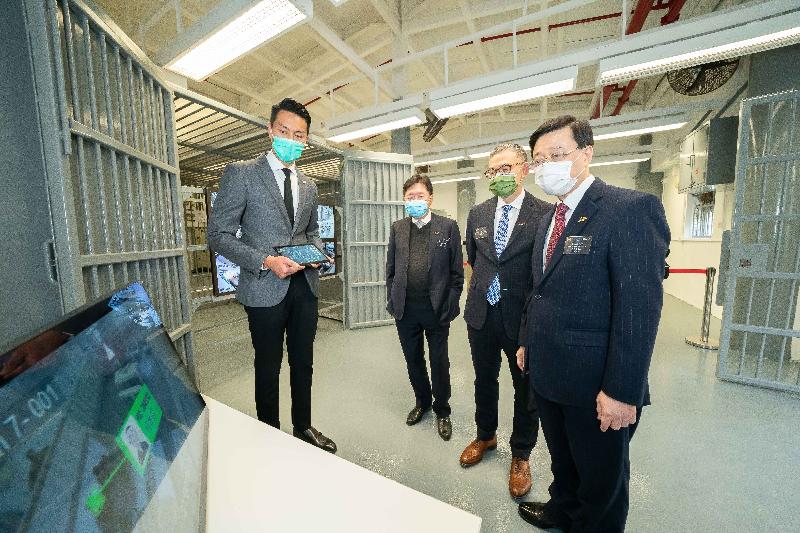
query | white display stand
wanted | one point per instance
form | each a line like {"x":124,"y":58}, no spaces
{"x":262,"y":479}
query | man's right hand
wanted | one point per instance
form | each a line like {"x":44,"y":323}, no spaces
{"x":521,"y":358}
{"x":282,"y":266}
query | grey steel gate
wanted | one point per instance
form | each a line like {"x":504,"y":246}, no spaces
{"x":760,"y":341}
{"x":372,"y":195}
{"x":114,"y":195}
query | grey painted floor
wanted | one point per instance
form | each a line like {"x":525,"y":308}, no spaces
{"x":708,"y":455}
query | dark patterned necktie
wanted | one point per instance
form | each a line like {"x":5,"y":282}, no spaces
{"x":558,"y":229}
{"x":288,"y":200}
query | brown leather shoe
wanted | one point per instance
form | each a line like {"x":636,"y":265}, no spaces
{"x":519,"y":479}
{"x":473,"y":453}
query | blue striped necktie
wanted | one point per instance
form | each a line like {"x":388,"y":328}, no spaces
{"x":500,"y":241}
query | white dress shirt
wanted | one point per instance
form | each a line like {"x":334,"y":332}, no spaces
{"x":420,"y":222}
{"x":513,"y":213}
{"x":572,"y":200}
{"x":277,"y":169}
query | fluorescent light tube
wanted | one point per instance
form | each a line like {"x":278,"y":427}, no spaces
{"x":468,"y":178}
{"x":378,"y":128}
{"x":480,"y":155}
{"x":254,"y":27}
{"x":440,"y":160}
{"x":620,"y":162}
{"x":729,"y":43}
{"x":639,"y":131}
{"x":517,"y":85}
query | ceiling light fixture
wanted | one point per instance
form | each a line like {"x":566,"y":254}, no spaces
{"x":423,"y":162}
{"x":254,"y":25}
{"x":480,"y":155}
{"x":378,"y":119}
{"x":509,"y":87}
{"x":468,"y":178}
{"x":757,"y":36}
{"x":618,"y":162}
{"x":639,"y":131}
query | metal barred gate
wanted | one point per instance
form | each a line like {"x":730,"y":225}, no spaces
{"x":115,"y":205}
{"x":372,"y":197}
{"x":760,"y":341}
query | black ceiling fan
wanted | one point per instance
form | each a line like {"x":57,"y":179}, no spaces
{"x":702,"y":79}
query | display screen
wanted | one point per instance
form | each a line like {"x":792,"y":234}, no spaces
{"x":93,"y":413}
{"x":327,"y":269}
{"x":303,"y":254}
{"x":226,"y":273}
{"x":325,"y":220}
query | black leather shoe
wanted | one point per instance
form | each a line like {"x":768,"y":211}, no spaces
{"x":315,"y":438}
{"x":445,"y":427}
{"x":534,"y":513}
{"x":415,"y":415}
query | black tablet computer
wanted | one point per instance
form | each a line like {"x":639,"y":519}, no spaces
{"x":303,"y":254}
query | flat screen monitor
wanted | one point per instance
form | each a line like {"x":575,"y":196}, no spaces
{"x":100,"y":424}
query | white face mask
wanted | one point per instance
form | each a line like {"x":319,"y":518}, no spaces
{"x":555,"y":178}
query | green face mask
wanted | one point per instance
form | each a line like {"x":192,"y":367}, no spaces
{"x":503,"y":185}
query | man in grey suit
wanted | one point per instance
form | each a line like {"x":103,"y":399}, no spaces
{"x":500,"y":238}
{"x":275,"y":205}
{"x":424,"y":280}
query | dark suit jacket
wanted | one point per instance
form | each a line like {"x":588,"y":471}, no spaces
{"x":446,"y":272}
{"x":514,"y":264}
{"x":591,"y":320}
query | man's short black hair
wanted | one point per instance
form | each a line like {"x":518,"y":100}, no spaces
{"x":581,"y":130}
{"x":418,"y":178}
{"x":293,"y":106}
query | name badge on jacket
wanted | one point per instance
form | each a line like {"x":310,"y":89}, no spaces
{"x":578,"y":245}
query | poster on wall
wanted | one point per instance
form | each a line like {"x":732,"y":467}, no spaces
{"x":225,"y":273}
{"x":325,"y":220}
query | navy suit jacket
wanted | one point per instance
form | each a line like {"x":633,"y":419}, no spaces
{"x":591,"y":319}
{"x":446,"y":270}
{"x":513,"y":265}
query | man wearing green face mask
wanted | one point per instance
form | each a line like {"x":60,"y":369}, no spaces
{"x":275,"y":205}
{"x":500,"y":237}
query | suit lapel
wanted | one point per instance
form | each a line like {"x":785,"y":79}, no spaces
{"x":538,"y":249}
{"x":403,"y":236}
{"x":584,"y":211}
{"x":303,"y":190}
{"x":436,"y":235}
{"x":488,"y":220}
{"x":525,"y":212}
{"x":272,"y":186}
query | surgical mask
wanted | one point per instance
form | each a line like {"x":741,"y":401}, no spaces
{"x":503,"y":185}
{"x":416,"y":208}
{"x":287,"y":150}
{"x":555,"y":178}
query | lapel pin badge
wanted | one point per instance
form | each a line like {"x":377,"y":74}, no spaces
{"x":583,"y":219}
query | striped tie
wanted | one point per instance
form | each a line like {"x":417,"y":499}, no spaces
{"x":500,"y":238}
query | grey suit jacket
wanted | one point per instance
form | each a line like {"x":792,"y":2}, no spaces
{"x":445,"y":272}
{"x":249,"y":197}
{"x":513,"y":265}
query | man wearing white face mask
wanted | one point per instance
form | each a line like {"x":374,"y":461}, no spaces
{"x":589,"y":328}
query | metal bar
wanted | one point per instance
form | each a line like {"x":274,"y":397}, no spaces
{"x":760,"y":383}
{"x":106,"y":86}
{"x":180,"y":331}
{"x":60,"y":78}
{"x":151,"y":204}
{"x":73,"y":80}
{"x":87,"y":46}
{"x":84,"y":197}
{"x":142,"y":102}
{"x":136,"y":144}
{"x":140,"y":196}
{"x":766,"y":159}
{"x":125,"y":257}
{"x":109,"y":142}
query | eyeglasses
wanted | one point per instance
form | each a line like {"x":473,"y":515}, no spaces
{"x":502,"y":169}
{"x":560,"y":156}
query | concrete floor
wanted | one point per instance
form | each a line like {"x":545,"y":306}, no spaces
{"x":708,"y":455}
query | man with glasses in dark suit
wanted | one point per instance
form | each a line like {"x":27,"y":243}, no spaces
{"x":500,"y":239}
{"x":591,"y":324}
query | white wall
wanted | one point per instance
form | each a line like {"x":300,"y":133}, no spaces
{"x":445,"y":198}
{"x":693,"y":253}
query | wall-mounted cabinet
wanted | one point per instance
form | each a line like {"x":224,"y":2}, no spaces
{"x":708,"y":154}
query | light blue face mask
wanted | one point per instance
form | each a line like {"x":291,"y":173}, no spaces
{"x":416,"y":208}
{"x":287,"y":150}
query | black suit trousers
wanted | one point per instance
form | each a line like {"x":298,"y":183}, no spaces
{"x":591,"y":469}
{"x":296,"y":318}
{"x":486,"y":344}
{"x":418,"y":320}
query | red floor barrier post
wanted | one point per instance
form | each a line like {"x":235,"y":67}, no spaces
{"x":704,"y":341}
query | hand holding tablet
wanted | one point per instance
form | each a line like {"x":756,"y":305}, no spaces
{"x":303,"y":254}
